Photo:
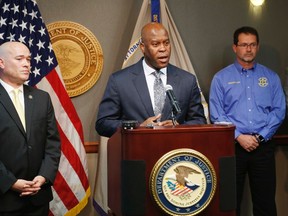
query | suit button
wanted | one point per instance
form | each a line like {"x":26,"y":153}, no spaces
{"x":30,"y":147}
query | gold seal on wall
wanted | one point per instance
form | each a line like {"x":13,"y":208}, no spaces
{"x":79,"y":55}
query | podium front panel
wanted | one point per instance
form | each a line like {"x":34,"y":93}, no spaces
{"x":132,"y":154}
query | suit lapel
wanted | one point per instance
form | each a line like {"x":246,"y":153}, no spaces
{"x":10,"y":109}
{"x":173,"y":80}
{"x":29,"y":104}
{"x":142,"y":88}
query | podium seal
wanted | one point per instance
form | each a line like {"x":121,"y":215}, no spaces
{"x":183,"y":182}
{"x":79,"y":55}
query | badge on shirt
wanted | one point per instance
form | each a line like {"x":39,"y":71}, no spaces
{"x":263,"y":82}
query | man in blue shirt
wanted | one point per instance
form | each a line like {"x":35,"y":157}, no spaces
{"x":250,"y":96}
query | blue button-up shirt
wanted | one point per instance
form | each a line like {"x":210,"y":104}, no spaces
{"x":253,"y":100}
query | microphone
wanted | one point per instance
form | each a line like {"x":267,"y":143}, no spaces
{"x":173,"y":100}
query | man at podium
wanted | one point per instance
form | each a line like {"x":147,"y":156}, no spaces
{"x":139,"y":91}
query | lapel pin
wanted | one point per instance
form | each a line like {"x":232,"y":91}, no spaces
{"x":30,"y":97}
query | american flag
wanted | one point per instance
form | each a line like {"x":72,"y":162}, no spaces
{"x":181,"y":190}
{"x":20,"y":20}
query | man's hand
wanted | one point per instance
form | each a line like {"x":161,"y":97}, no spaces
{"x":151,"y":121}
{"x":167,"y":123}
{"x":248,"y":142}
{"x":39,"y":181}
{"x":28,"y":188}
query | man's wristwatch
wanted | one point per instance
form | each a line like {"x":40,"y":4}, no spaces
{"x":259,"y":138}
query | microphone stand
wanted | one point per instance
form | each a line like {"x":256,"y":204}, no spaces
{"x":173,"y":116}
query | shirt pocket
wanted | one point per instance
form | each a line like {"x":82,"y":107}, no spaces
{"x":263,"y":98}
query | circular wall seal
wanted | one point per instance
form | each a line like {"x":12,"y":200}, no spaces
{"x":79,"y":55}
{"x":183,"y":182}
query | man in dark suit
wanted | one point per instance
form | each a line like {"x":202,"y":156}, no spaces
{"x":129,"y":93}
{"x":29,"y":148}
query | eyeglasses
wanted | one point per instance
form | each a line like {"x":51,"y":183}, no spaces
{"x":245,"y":45}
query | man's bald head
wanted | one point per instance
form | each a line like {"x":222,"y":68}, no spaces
{"x":155,"y":45}
{"x":15,"y":64}
{"x":152,"y":29}
{"x":9,"y":47}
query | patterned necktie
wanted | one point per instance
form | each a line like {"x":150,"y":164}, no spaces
{"x":159,"y":93}
{"x":18,"y":106}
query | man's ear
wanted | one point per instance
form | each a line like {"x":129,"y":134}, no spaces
{"x":234,"y":48}
{"x":1,"y":63}
{"x":142,"y":46}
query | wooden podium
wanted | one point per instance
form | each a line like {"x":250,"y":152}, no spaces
{"x":132,"y":155}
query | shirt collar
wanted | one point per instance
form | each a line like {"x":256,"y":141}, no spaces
{"x":240,"y":69}
{"x":149,"y":70}
{"x":8,"y":87}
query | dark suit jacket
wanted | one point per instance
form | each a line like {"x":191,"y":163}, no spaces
{"x":24,"y":155}
{"x":127,"y":98}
